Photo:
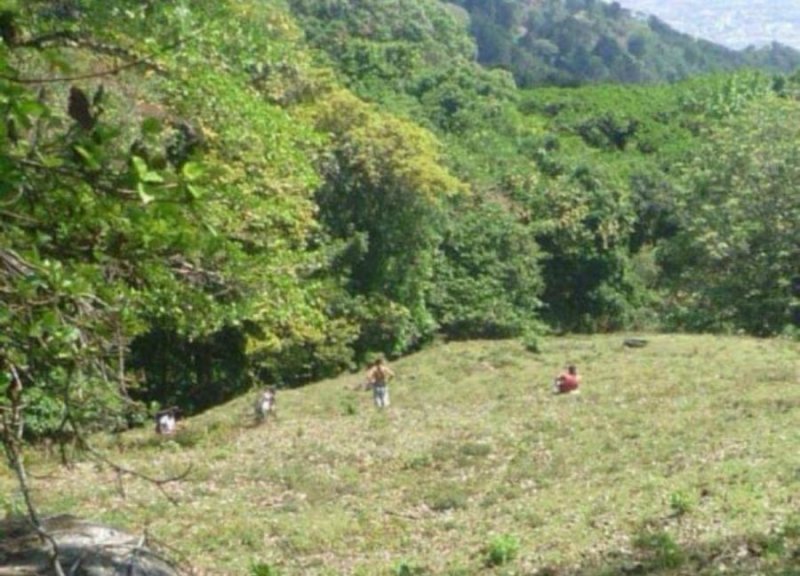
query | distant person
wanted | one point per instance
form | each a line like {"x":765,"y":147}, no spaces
{"x":568,"y":381}
{"x":378,"y":376}
{"x":265,"y":403}
{"x":166,"y":421}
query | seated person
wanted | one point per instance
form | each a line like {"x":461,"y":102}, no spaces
{"x":166,"y":421}
{"x":568,"y":381}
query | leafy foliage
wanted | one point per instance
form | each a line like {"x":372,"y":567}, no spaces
{"x":382,"y":196}
{"x":158,"y":219}
{"x":736,"y":254}
{"x":487,"y":276}
{"x":502,"y":549}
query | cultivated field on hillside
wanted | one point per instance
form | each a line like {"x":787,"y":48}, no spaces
{"x":682,"y":457}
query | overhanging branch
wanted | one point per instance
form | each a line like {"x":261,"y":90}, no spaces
{"x":73,"y":40}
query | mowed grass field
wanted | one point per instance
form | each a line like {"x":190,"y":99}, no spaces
{"x":682,"y":457}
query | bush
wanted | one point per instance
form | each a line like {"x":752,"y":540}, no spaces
{"x":349,"y":407}
{"x":262,"y":569}
{"x":680,"y":503}
{"x":501,"y":550}
{"x":532,"y":337}
{"x":664,"y":552}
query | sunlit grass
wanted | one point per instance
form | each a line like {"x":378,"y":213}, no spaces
{"x":689,"y":442}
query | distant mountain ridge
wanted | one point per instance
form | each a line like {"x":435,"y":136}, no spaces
{"x":568,"y":42}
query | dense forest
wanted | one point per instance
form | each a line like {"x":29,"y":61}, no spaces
{"x":200,"y":197}
{"x":574,"y":41}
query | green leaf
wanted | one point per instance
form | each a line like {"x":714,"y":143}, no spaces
{"x":192,"y":171}
{"x":143,"y":195}
{"x":151,"y":126}
{"x":51,"y":161}
{"x":193,"y":191}
{"x":31,"y":108}
{"x":139,"y":166}
{"x":151,"y":177}
{"x":143,"y":173}
{"x":87,"y":157}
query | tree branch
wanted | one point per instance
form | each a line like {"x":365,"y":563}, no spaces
{"x":11,"y":437}
{"x":70,"y":39}
{"x":159,"y":483}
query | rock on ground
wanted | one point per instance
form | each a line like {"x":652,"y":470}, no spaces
{"x":85,"y":549}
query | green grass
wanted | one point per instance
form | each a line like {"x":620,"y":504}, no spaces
{"x":677,"y":458}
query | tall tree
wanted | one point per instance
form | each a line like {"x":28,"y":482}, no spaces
{"x":383,"y":194}
{"x":739,"y":247}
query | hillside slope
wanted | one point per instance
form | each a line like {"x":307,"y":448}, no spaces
{"x":734,"y":23}
{"x":677,"y":458}
{"x":580,"y":41}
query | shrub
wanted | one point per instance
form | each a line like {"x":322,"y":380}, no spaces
{"x":349,"y":407}
{"x":418,"y":462}
{"x":532,"y":341}
{"x":680,"y":503}
{"x":501,"y":550}
{"x":262,"y":569}
{"x":664,"y":552}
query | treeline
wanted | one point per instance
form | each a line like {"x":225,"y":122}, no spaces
{"x":202,"y":198}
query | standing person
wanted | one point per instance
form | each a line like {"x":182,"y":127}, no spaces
{"x":568,"y":381}
{"x":265,"y":404}
{"x":378,"y":376}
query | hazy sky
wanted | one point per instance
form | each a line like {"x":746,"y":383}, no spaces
{"x":735,"y":23}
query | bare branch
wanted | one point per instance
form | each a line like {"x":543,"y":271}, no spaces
{"x":159,"y":483}
{"x":70,"y":39}
{"x":88,"y":76}
{"x":15,"y":264}
{"x":183,"y":557}
{"x":11,"y":437}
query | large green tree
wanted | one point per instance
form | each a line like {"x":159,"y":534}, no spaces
{"x":382,"y":197}
{"x":739,"y":246}
{"x":488,"y":277}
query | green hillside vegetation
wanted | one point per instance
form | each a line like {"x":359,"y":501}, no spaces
{"x":570,"y":42}
{"x":676,"y":458}
{"x":593,"y":173}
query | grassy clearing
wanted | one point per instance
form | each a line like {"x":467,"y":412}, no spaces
{"x":677,"y":458}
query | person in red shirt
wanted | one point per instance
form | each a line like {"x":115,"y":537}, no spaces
{"x":568,"y":381}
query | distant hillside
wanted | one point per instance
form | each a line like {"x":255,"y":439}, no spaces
{"x":578,"y":41}
{"x":733,"y":23}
